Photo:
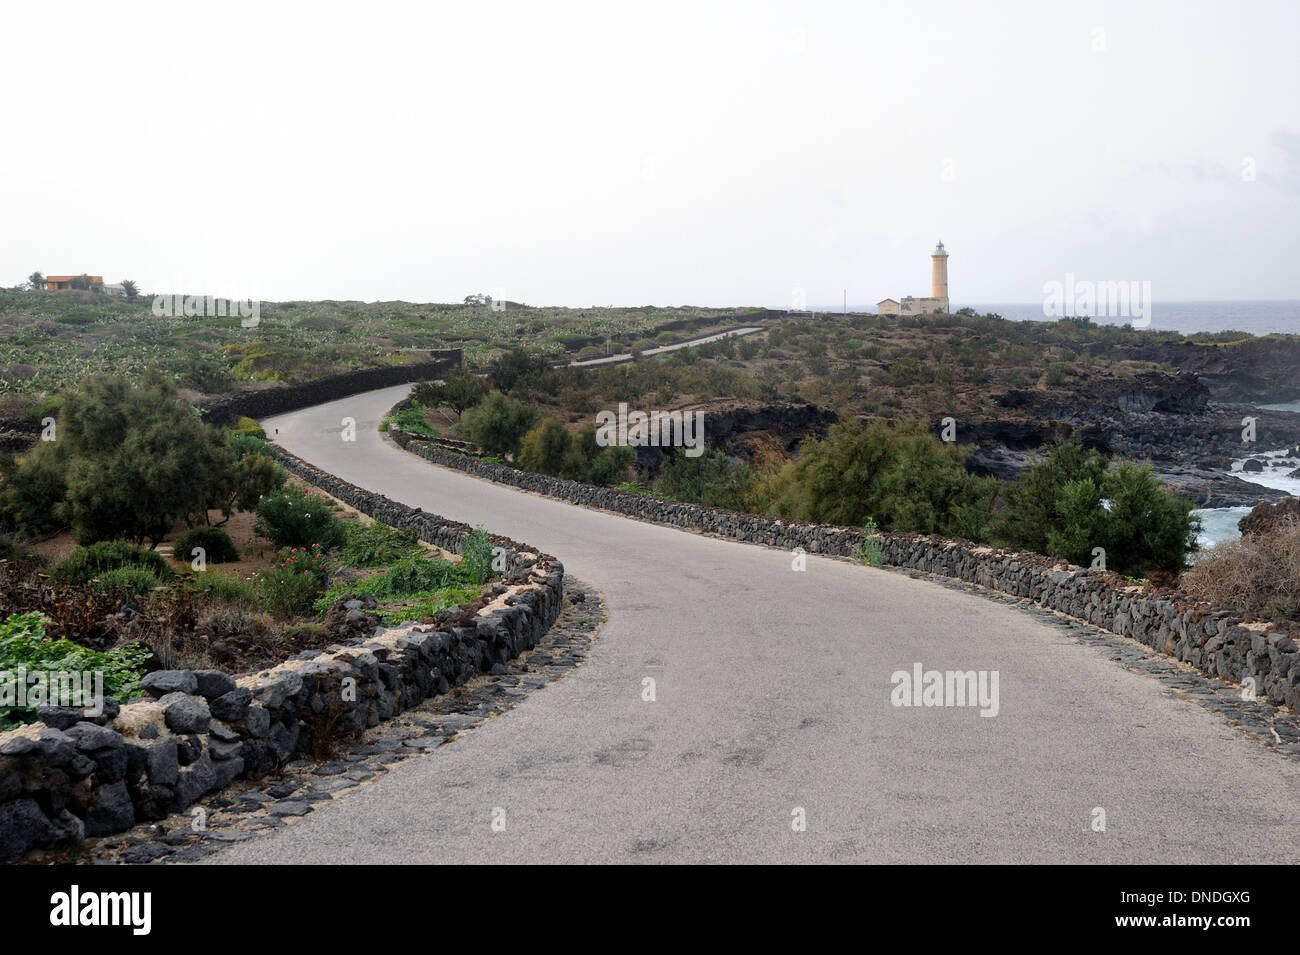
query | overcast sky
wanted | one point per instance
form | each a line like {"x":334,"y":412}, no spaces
{"x":653,"y":153}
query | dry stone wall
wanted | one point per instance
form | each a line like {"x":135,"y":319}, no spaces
{"x":273,"y":401}
{"x":76,"y":774}
{"x":1217,"y":640}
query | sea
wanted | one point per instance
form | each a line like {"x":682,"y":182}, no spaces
{"x":1263,"y":317}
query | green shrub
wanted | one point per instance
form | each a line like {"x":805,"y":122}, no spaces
{"x":294,"y":518}
{"x":33,"y":491}
{"x":135,"y":458}
{"x":902,"y":476}
{"x":312,"y":631}
{"x":23,"y":644}
{"x":253,"y":477}
{"x":518,"y":368}
{"x":377,"y":544}
{"x":712,"y":479}
{"x":249,"y":427}
{"x":476,"y":555}
{"x":872,"y":546}
{"x":459,"y":389}
{"x":223,"y":588}
{"x":78,"y":316}
{"x":636,"y":487}
{"x":412,"y":420}
{"x":419,"y":606}
{"x":290,"y":586}
{"x":1070,"y":503}
{"x":497,"y":424}
{"x":86,"y":563}
{"x":405,"y":579}
{"x":546,"y":448}
{"x":551,"y":448}
{"x":413,"y":575}
{"x":129,"y":580}
{"x":216,"y":543}
{"x":246,"y":442}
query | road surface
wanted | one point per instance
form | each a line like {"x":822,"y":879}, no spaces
{"x":772,"y":696}
{"x":662,"y":349}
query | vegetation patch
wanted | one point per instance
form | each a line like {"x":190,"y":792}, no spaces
{"x":23,"y":644}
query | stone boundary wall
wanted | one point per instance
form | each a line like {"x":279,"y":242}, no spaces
{"x":18,"y":436}
{"x":273,"y":401}
{"x":1218,"y":641}
{"x":75,"y":775}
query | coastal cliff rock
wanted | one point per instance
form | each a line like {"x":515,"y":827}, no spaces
{"x":1266,"y":516}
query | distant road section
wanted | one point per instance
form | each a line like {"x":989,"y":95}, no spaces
{"x":626,"y":356}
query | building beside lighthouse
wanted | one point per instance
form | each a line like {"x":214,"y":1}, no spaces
{"x":936,"y":304}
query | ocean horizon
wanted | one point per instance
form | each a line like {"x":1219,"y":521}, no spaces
{"x":1256,"y":317}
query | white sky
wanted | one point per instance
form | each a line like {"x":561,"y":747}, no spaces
{"x":652,"y":153}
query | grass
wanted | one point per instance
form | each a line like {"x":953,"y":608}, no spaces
{"x":377,"y":544}
{"x":421,"y":605}
{"x":412,"y":420}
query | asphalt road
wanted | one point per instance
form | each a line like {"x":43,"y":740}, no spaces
{"x":773,"y":693}
{"x":663,"y":349}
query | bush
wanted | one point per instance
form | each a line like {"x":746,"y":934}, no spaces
{"x":247,"y":426}
{"x":1028,"y":512}
{"x":252,"y":478}
{"x":291,"y":585}
{"x":225,"y":589}
{"x":294,"y":518}
{"x":414,"y":575}
{"x":127,"y":580}
{"x":476,"y":555}
{"x":377,"y":545}
{"x":244,"y":442}
{"x":518,"y":368}
{"x":419,"y":606}
{"x":407,"y":578}
{"x":86,"y":563}
{"x":1258,"y":574}
{"x":413,"y":420}
{"x":711,"y":479}
{"x":1057,"y":372}
{"x":459,"y":389}
{"x":139,"y":458}
{"x":551,"y":448}
{"x":546,"y":448}
{"x":217,"y":546}
{"x":872,"y":549}
{"x":309,"y":631}
{"x":903,"y":477}
{"x":23,"y":644}
{"x":497,"y":424}
{"x":1070,"y":503}
{"x":32,"y":495}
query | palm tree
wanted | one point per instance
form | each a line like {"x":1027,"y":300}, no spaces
{"x":130,"y":289}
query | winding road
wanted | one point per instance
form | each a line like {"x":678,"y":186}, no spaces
{"x":664,"y":349}
{"x":773,"y":693}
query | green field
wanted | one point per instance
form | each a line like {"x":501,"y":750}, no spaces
{"x":49,"y":341}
